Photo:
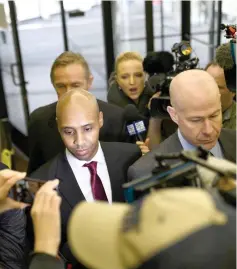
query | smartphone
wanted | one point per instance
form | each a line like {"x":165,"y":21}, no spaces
{"x":25,"y":190}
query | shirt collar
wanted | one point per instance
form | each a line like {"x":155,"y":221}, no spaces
{"x":187,"y":146}
{"x":99,"y":157}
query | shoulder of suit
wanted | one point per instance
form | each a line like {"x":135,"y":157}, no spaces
{"x":169,"y":144}
{"x":121,"y":147}
{"x":104,"y":106}
{"x":228,"y":132}
{"x":43,"y":112}
{"x":47,"y":169}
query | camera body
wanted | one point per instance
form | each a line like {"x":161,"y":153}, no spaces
{"x":162,"y":67}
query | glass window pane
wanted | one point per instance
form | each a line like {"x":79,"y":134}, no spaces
{"x":10,"y":75}
{"x":171,"y":23}
{"x":130,"y":26}
{"x":86,"y":36}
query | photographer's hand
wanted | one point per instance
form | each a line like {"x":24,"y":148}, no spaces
{"x":156,"y":95}
{"x":46,"y":219}
{"x":154,"y":131}
{"x":8,"y":179}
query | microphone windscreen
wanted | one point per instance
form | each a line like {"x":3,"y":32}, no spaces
{"x":224,"y":56}
{"x":158,"y":62}
{"x":132,"y":114}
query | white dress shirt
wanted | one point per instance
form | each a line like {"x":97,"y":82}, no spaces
{"x":83,"y":176}
{"x":216,"y":150}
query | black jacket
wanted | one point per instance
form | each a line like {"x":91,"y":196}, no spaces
{"x":117,"y":97}
{"x":45,"y":141}
{"x":12,"y":239}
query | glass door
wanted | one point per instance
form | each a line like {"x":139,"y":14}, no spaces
{"x":12,"y":70}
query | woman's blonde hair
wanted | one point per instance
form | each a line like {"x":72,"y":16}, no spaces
{"x":125,"y":56}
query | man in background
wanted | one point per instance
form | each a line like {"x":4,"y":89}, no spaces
{"x":227,"y":102}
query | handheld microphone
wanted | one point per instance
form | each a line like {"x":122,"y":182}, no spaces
{"x":226,"y":59}
{"x":135,"y":123}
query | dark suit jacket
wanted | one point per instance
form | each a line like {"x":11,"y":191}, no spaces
{"x":3,"y":166}
{"x":147,"y":163}
{"x":118,"y":156}
{"x":45,"y":141}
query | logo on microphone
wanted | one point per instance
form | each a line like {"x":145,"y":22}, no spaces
{"x":136,"y":128}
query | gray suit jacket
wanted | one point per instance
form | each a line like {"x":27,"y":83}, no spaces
{"x":147,"y":163}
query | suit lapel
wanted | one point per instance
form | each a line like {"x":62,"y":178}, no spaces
{"x":174,"y":145}
{"x":115,"y":172}
{"x":227,"y":148}
{"x":68,"y":186}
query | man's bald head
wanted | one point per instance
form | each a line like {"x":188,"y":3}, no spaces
{"x":196,"y":107}
{"x":192,"y":85}
{"x":79,"y":122}
{"x":77,"y":99}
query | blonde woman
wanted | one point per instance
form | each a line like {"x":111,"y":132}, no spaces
{"x":127,"y":83}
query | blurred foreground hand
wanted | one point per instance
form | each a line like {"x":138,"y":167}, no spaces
{"x":8,"y":179}
{"x":45,"y":214}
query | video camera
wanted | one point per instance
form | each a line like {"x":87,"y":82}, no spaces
{"x":230,"y":30}
{"x":162,"y":67}
{"x":196,"y":168}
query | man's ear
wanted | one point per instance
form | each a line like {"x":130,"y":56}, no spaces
{"x":101,"y":119}
{"x":90,"y":81}
{"x":173,"y":114}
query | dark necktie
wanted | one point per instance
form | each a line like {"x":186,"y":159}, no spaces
{"x":96,"y":184}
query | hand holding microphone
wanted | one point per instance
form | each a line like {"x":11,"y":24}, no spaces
{"x":144,"y":146}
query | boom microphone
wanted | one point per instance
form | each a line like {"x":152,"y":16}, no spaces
{"x":226,"y":59}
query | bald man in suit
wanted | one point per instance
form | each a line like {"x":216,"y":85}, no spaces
{"x":196,"y":109}
{"x":88,"y":169}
